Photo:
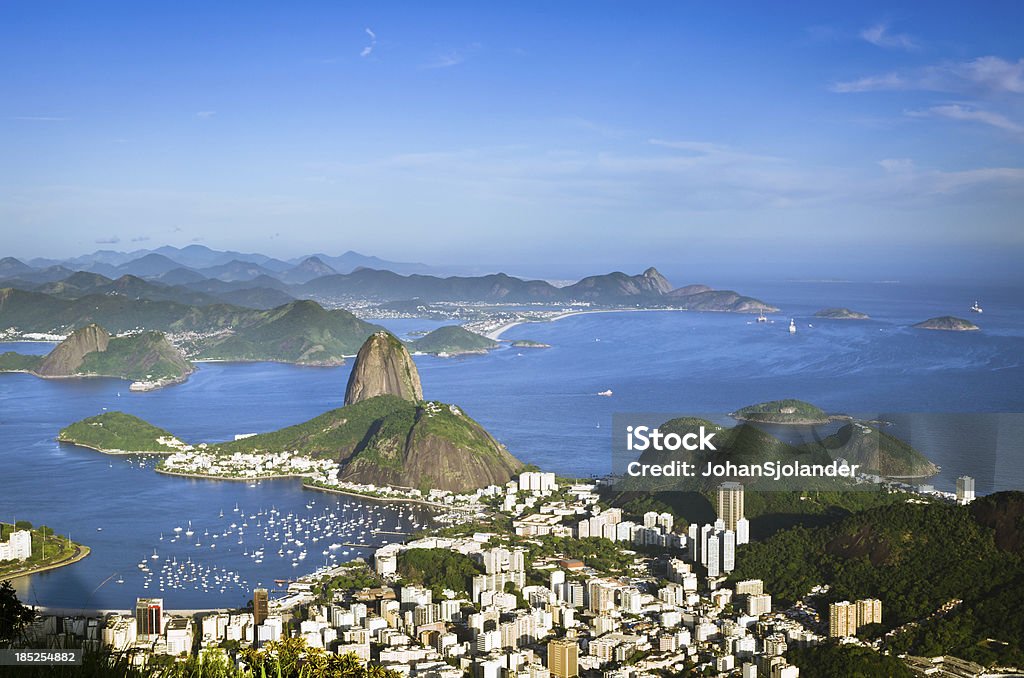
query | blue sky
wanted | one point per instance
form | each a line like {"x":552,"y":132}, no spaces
{"x":857,"y":140}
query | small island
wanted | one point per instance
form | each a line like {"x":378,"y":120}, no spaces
{"x":526,"y":343}
{"x":453,"y":340}
{"x":841,"y":314}
{"x":789,"y":412}
{"x":35,"y":549}
{"x":947,"y":323}
{"x":146,"y":358}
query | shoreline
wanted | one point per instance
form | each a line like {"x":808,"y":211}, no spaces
{"x":406,"y":500}
{"x":81,"y":551}
{"x":202,"y":476}
{"x":112,"y":453}
{"x":144,"y":386}
{"x":496,"y":333}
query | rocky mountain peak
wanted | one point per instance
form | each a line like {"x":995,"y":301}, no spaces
{"x":383,"y":366}
{"x":67,"y":357}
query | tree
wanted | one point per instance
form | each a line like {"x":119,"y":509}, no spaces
{"x":14,"y":616}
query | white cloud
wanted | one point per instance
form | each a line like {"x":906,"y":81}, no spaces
{"x":994,"y":74}
{"x":871,"y":83}
{"x":983,"y":75}
{"x":368,"y":50}
{"x":897,"y":165}
{"x":880,"y":36}
{"x":205,"y":115}
{"x":39,"y":118}
{"x":452,"y":57}
{"x":970,"y":114}
{"x":446,"y":60}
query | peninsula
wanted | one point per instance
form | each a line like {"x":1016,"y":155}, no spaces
{"x":35,"y":549}
{"x":146,"y":358}
{"x":453,"y":340}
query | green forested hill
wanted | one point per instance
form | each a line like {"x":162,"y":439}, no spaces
{"x":915,"y":558}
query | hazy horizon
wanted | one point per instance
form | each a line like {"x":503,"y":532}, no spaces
{"x":866,"y":142}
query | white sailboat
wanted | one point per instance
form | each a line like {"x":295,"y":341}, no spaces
{"x":792,"y":326}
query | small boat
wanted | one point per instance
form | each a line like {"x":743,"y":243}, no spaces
{"x":606,"y":394}
{"x":792,"y":326}
{"x":762,"y":318}
{"x":976,"y":308}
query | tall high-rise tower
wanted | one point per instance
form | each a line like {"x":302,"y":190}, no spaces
{"x":260,"y":605}
{"x":730,"y":504}
{"x":563,"y":657}
{"x":149,"y":616}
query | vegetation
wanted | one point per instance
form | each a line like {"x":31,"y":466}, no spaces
{"x":845,"y":661}
{"x":18,"y":362}
{"x":384,"y":440}
{"x":948,"y":323}
{"x":287,"y":658}
{"x":841,"y":314}
{"x":527,"y":343}
{"x":14,"y":616}
{"x":117,"y":432}
{"x":356,"y":577}
{"x":144,"y":356}
{"x":47,"y":548}
{"x":878,"y":452}
{"x":91,"y":351}
{"x":597,"y":552}
{"x":438,"y":569}
{"x":788,"y":411}
{"x":453,"y":339}
{"x":917,"y":559}
{"x":299,"y":331}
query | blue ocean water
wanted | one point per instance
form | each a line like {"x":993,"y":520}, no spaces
{"x":541,"y":403}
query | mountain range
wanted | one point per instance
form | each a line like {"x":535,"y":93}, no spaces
{"x":199,"y":276}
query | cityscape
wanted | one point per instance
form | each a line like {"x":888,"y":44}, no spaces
{"x":511,"y":340}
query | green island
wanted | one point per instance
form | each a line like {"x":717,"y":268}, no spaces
{"x":788,"y":411}
{"x":120,"y":433}
{"x":947,"y":323}
{"x":527,"y":343}
{"x":453,"y":340}
{"x":841,"y":314}
{"x":49,"y":550}
{"x":146,"y":358}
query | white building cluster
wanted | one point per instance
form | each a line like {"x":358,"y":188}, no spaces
{"x":249,"y":465}
{"x":17,"y":547}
